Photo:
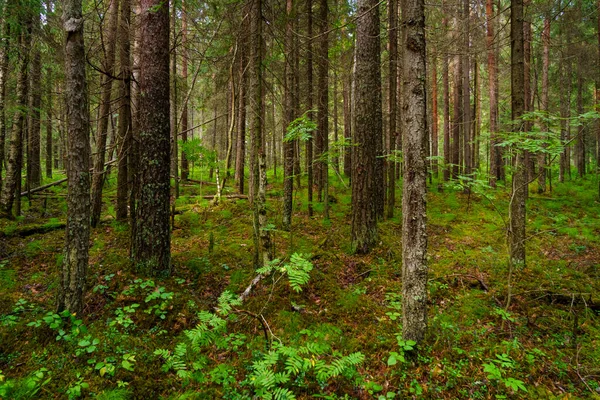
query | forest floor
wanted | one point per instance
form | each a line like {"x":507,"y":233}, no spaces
{"x":337,"y":337}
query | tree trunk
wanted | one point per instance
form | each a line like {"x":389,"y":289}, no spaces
{"x":392,"y":105}
{"x":4,"y":49}
{"x":12,"y":180}
{"x":580,"y":141}
{"x":309,"y":105}
{"x":414,"y":218}
{"x":240,"y":157}
{"x":496,"y":163}
{"x":49,"y":128}
{"x":151,"y":235}
{"x":434,"y":116}
{"x":125,"y":128}
{"x":185,"y":169}
{"x":544,"y":101}
{"x":98,"y":176}
{"x":34,"y":165}
{"x":517,"y":219}
{"x":77,"y":232}
{"x":466,"y":99}
{"x":322,"y":133}
{"x":174,"y":96}
{"x":446,"y":89}
{"x":367,"y":127}
{"x":288,"y":117}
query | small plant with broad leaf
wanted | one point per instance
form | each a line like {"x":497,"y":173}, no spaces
{"x":297,"y":270}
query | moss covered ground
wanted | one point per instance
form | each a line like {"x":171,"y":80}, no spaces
{"x":545,"y":345}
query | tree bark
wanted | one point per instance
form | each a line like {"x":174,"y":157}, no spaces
{"x":517,"y":219}
{"x":185,"y":169}
{"x":367,"y":127}
{"x":12,"y":180}
{"x":49,"y":127}
{"x":414,"y":218}
{"x":240,"y":157}
{"x":392,"y":106}
{"x":77,"y":232}
{"x":309,"y":104}
{"x":544,"y":101}
{"x":98,"y":176}
{"x":4,"y":50}
{"x":288,"y":117}
{"x":496,"y":163}
{"x":466,"y":99}
{"x":34,"y":165}
{"x":151,"y":234}
{"x":125,"y":127}
{"x":322,"y":133}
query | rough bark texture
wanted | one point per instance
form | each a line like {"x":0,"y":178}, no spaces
{"x":173,"y":111}
{"x":414,"y":217}
{"x":466,"y":107}
{"x":544,"y":101}
{"x":309,"y":104}
{"x":49,"y":127}
{"x":446,"y":94}
{"x":519,"y":183}
{"x":367,"y":127}
{"x":262,"y":236}
{"x":495,"y":155}
{"x":288,"y":116}
{"x":151,"y":235}
{"x":4,"y":49}
{"x":185,"y":169}
{"x":322,"y":133}
{"x":124,"y":128}
{"x":392,"y":105}
{"x":77,"y":232}
{"x":34,"y":164}
{"x":434,"y":116}
{"x":104,"y":112}
{"x":240,"y":157}
{"x":12,"y":180}
{"x":347,"y":125}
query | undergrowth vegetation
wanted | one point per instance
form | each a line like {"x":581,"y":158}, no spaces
{"x":322,"y":322}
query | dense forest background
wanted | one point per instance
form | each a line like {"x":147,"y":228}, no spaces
{"x":294,"y":199}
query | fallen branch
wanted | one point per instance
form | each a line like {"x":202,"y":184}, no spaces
{"x":262,"y":321}
{"x":40,"y":188}
{"x":35,"y":229}
{"x":201,"y":182}
{"x":251,"y":286}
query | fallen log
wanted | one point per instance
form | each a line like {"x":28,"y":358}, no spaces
{"x":40,"y":188}
{"x":45,"y":228}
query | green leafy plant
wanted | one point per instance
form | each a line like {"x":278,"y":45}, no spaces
{"x":496,"y":370}
{"x":300,"y":129}
{"x":26,"y":388}
{"x":297,"y":270}
{"x":76,"y":390}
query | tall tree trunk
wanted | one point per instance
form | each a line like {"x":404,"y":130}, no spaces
{"x":392,"y":105}
{"x":309,"y":104}
{"x":174,"y":96}
{"x":517,"y":219}
{"x":185,"y":169}
{"x":288,"y":117}
{"x":466,"y":99}
{"x":241,"y":115}
{"x":457,"y":124}
{"x":34,"y":165}
{"x":580,"y":141}
{"x":151,"y":235}
{"x":496,"y":163}
{"x":125,"y":124}
{"x":98,"y":178}
{"x":4,"y":49}
{"x":544,"y":101}
{"x":446,"y":93}
{"x":49,"y":116}
{"x":262,"y":236}
{"x":414,"y":218}
{"x":12,"y":179}
{"x":434,"y":116}
{"x":346,"y":93}
{"x":367,"y":127}
{"x":77,"y":232}
{"x":529,"y":160}
{"x":322,"y":134}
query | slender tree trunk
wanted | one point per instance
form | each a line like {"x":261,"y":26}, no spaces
{"x":98,"y":177}
{"x":77,"y":232}
{"x":12,"y":180}
{"x":434,"y":116}
{"x":125,"y":128}
{"x":185,"y":169}
{"x":288,"y":117}
{"x":241,"y":125}
{"x":367,"y":127}
{"x":466,"y":99}
{"x":174,"y":96}
{"x":529,"y":160}
{"x":322,"y":134}
{"x":496,"y":163}
{"x":392,"y":105}
{"x":262,"y":236}
{"x":517,"y":219}
{"x":309,"y":105}
{"x":580,"y":142}
{"x":49,"y":127}
{"x":414,"y":218}
{"x":458,"y":120}
{"x":34,"y":165}
{"x":151,"y":235}
{"x":446,"y":93}
{"x":346,"y":93}
{"x":544,"y":101}
{"x":4,"y":49}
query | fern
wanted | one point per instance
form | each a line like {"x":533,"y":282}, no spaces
{"x":297,"y":270}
